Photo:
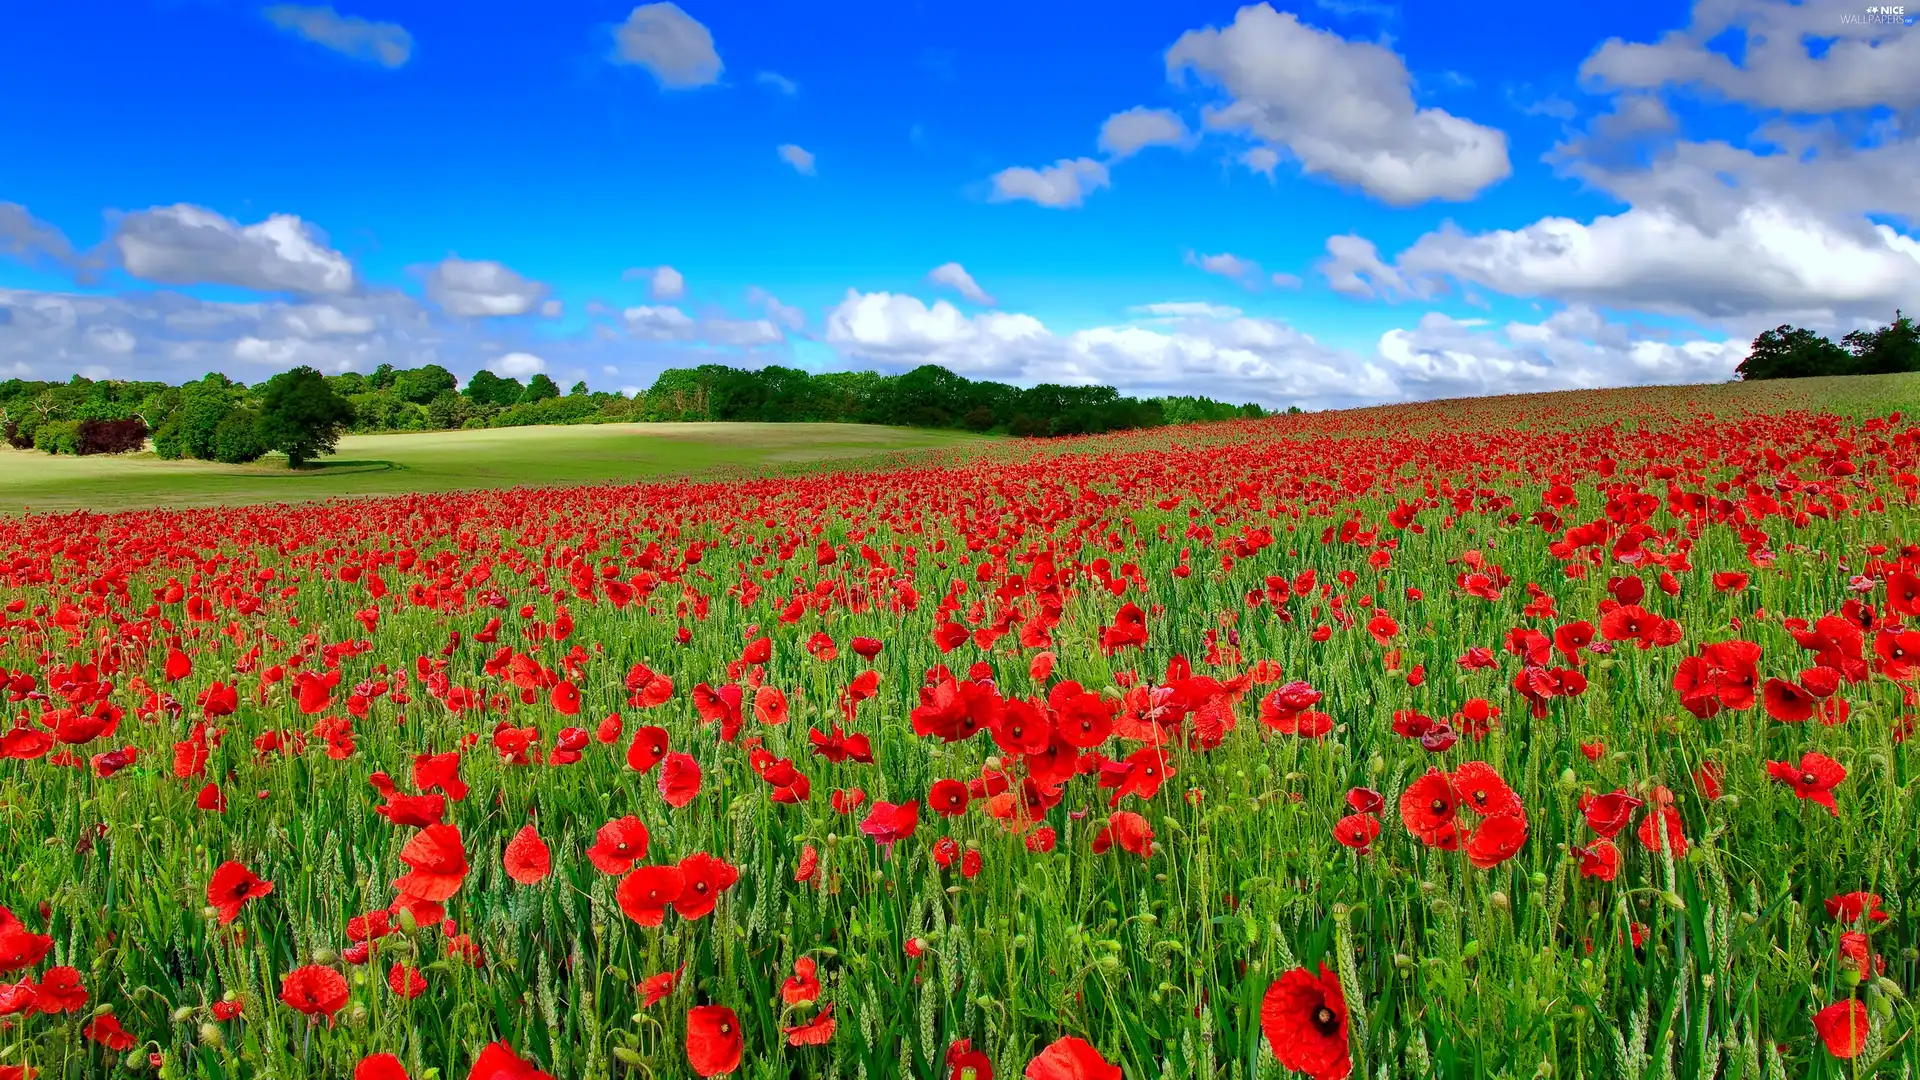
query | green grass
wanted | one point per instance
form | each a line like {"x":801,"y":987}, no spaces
{"x":448,"y":461}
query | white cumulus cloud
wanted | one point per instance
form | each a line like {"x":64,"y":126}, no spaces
{"x":1344,"y":109}
{"x":670,"y":44}
{"x":1127,"y":133}
{"x":1062,"y":185}
{"x":481,"y":288}
{"x":191,"y":245}
{"x":667,"y":283}
{"x":517,"y":365}
{"x":800,"y":159}
{"x":384,"y":43}
{"x":954,"y":276}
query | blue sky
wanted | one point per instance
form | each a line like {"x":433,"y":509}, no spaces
{"x":1325,"y":203}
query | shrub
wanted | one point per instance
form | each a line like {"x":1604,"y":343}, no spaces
{"x":58,"y":437}
{"x":16,"y":438}
{"x":237,"y":440}
{"x":112,"y":436}
{"x":168,"y":442}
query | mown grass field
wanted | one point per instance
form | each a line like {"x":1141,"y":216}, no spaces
{"x":447,"y":461}
{"x":1574,"y":735}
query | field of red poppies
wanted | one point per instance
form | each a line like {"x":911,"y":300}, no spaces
{"x":1556,"y":736}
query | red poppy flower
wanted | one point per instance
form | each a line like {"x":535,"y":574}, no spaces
{"x":948,"y":798}
{"x":1708,"y":778}
{"x":1813,"y":779}
{"x":645,"y":894}
{"x":1481,"y":790}
{"x":815,"y":1032}
{"x":413,"y":810}
{"x":440,"y":771}
{"x":648,"y":748}
{"x":889,"y":824}
{"x":1608,"y":814}
{"x":1127,"y":831}
{"x":703,"y":879}
{"x":315,"y":991}
{"x":808,"y":863}
{"x":1365,"y":800}
{"x":1854,"y":946}
{"x":803,"y":986}
{"x":1843,"y":1027}
{"x":1357,"y":831}
{"x":231,"y":887}
{"x":1850,"y":908}
{"x":770,"y":705}
{"x":1427,"y":808}
{"x":17,"y":998}
{"x":1498,"y":839}
{"x":1305,"y":1020}
{"x":527,"y":859}
{"x":679,"y":779}
{"x":499,"y":1062}
{"x":1081,"y":719}
{"x":1599,"y":859}
{"x":379,"y":1067}
{"x":1787,"y":702}
{"x":655,"y":988}
{"x":1664,"y":818}
{"x":405,"y":981}
{"x":20,"y":946}
{"x":966,"y":1063}
{"x":713,"y":1040}
{"x":439,"y":863}
{"x":618,"y":845}
{"x":565,"y":698}
{"x":1071,"y":1058}
{"x":60,"y":991}
{"x":105,"y":1029}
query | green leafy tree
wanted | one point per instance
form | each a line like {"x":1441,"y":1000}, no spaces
{"x":204,"y":406}
{"x":1892,"y":349}
{"x":422,"y":384}
{"x":540,"y":388}
{"x":1790,"y":352}
{"x":449,"y":410}
{"x":301,"y":416}
{"x":486,"y":388}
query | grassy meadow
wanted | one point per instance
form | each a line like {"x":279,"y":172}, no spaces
{"x":419,"y":462}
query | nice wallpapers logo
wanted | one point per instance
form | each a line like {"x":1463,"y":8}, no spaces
{"x":1882,"y":15}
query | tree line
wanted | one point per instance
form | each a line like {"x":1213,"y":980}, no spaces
{"x":1792,"y":352}
{"x":302,"y":413}
{"x":928,"y":396}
